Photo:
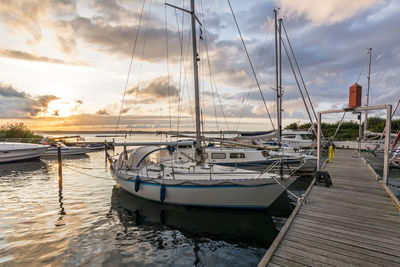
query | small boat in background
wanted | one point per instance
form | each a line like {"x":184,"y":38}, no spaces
{"x":10,"y":152}
{"x":66,"y":150}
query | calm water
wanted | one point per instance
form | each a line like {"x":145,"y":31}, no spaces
{"x":88,"y":220}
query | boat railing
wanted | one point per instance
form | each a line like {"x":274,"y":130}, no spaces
{"x":22,"y":140}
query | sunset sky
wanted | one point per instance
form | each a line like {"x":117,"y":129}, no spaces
{"x":64,"y":63}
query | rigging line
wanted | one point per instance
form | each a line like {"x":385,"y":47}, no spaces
{"x":202,"y":66}
{"x":166,"y":47}
{"x":209,"y":64}
{"x":301,"y":75}
{"x":185,"y":81}
{"x":189,"y":45}
{"x":250,"y":92}
{"x":362,"y":69}
{"x":251,"y":64}
{"x":340,"y":123}
{"x":180,"y":95}
{"x":141,"y":61}
{"x":130,"y":66}
{"x":298,"y":85}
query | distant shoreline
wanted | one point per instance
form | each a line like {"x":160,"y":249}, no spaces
{"x":133,"y":132}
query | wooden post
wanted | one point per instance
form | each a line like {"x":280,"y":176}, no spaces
{"x":387,"y":144}
{"x":59,"y":162}
{"x":319,"y":142}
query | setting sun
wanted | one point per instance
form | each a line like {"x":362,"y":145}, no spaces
{"x":61,"y":108}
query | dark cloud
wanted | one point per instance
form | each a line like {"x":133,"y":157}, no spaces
{"x":16,"y":104}
{"x":9,"y":91}
{"x":157,"y":89}
{"x":102,"y":111}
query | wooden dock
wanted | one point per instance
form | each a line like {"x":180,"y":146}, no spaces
{"x":353,"y":223}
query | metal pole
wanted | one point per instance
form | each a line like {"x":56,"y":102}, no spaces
{"x":387,"y":144}
{"x":59,"y":157}
{"x":359,"y":132}
{"x":277,"y":74}
{"x":196,"y":82}
{"x":367,"y":95}
{"x":280,"y":83}
{"x":319,"y":142}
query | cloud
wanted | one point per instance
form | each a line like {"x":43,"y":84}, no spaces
{"x":36,"y":17}
{"x":157,"y":89}
{"x":16,"y":104}
{"x":30,"y":57}
{"x":102,"y":111}
{"x":327,"y":11}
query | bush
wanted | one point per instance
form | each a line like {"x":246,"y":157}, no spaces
{"x":16,"y":130}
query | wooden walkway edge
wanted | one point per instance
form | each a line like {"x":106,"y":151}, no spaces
{"x":353,"y":223}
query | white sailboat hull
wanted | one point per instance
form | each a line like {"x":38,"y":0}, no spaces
{"x":218,"y":194}
{"x":10,"y":152}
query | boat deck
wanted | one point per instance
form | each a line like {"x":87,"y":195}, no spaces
{"x":353,"y":223}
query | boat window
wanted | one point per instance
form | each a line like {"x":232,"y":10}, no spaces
{"x":218,"y":155}
{"x":291,"y":136}
{"x":237,"y":156}
{"x":265,"y":153}
{"x":305,"y":137}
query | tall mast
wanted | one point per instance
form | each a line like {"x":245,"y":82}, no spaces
{"x":196,"y":82}
{"x":367,"y":95}
{"x":278,"y":89}
{"x":280,"y":81}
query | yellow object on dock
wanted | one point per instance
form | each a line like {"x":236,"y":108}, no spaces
{"x":331,"y":154}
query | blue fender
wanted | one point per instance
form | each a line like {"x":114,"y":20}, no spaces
{"x":137,"y":183}
{"x":162,"y":193}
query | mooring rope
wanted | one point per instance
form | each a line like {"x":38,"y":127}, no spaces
{"x":87,"y":174}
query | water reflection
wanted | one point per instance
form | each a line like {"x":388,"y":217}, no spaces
{"x":21,"y":167}
{"x":248,"y":228}
{"x":62,"y":212}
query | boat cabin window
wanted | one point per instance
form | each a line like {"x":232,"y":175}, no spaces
{"x":306,"y":137}
{"x":265,"y":153}
{"x":237,"y":156}
{"x":215,"y":155}
{"x":291,"y":136}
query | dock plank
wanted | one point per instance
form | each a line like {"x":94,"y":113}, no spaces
{"x":352,"y":223}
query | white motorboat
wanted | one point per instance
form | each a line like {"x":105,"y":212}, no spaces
{"x":298,"y":139}
{"x":10,"y":152}
{"x":66,"y":150}
{"x":152,"y":173}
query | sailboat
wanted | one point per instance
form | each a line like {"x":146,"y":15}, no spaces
{"x":152,"y":173}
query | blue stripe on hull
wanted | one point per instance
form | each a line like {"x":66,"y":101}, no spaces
{"x":256,"y":164}
{"x":198,"y":186}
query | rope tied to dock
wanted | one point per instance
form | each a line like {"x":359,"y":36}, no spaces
{"x":87,"y":174}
